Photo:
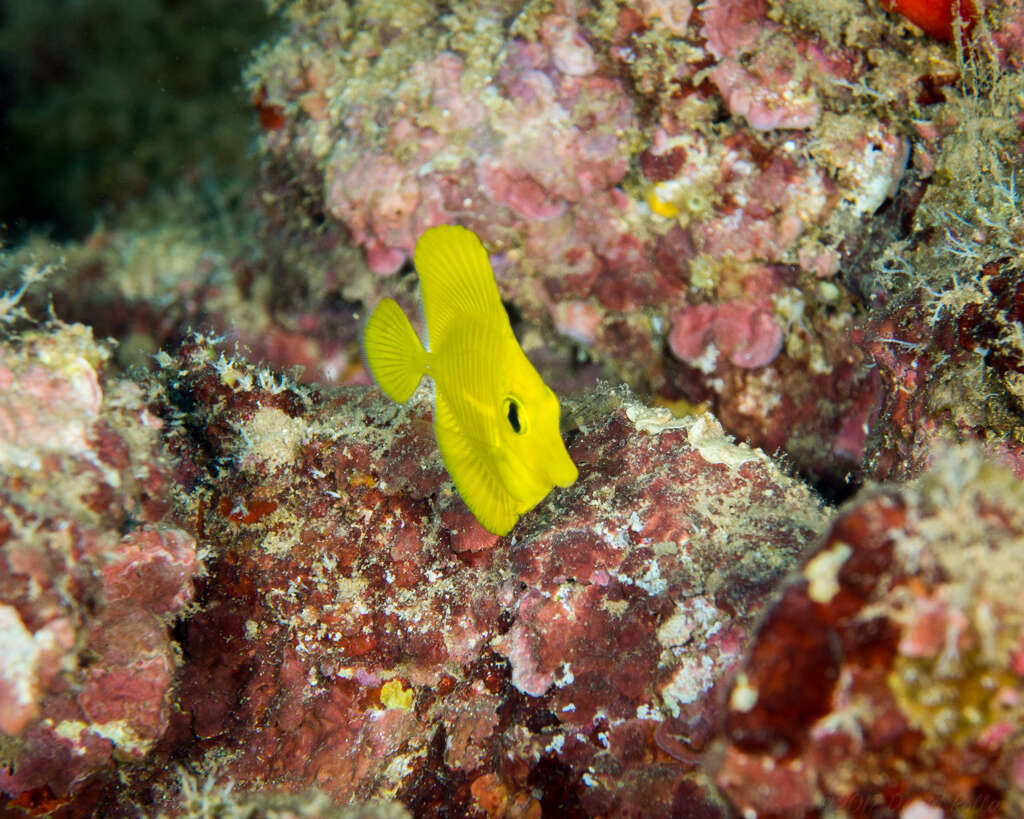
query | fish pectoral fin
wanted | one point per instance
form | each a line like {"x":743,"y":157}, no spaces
{"x":475,"y":479}
{"x":394,"y":354}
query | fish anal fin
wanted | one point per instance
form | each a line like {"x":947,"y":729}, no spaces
{"x":477,"y":484}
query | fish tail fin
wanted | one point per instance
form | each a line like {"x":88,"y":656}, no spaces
{"x":394,"y":354}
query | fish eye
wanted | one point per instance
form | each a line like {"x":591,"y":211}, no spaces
{"x":512,"y":413}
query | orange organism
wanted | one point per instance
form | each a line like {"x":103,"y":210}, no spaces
{"x":935,"y":17}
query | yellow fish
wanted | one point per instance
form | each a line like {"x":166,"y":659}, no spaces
{"x":495,"y":419}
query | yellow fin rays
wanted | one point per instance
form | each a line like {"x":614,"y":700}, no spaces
{"x":495,"y":420}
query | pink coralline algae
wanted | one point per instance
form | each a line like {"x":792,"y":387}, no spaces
{"x":624,"y":166}
{"x":768,"y":93}
{"x":91,"y":570}
{"x":764,"y":73}
{"x":889,"y":672}
{"x":733,"y":27}
{"x":382,"y":643}
{"x":749,"y":335}
{"x":559,"y":138}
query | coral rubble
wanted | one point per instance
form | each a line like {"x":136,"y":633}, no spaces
{"x":889,"y":674}
{"x":93,"y":569}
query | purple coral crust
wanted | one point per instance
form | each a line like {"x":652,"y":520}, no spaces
{"x":91,"y":571}
{"x":749,"y":335}
{"x":559,"y":141}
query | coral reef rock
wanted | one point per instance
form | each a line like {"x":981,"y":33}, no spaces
{"x":684,"y":190}
{"x":887,"y":679}
{"x":360,"y":633}
{"x":92,"y":569}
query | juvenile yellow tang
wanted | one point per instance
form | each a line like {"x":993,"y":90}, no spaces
{"x":496,"y":421}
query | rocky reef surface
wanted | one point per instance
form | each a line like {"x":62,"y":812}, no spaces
{"x":703,"y":197}
{"x":768,"y":252}
{"x":898,"y":647}
{"x":94,"y":570}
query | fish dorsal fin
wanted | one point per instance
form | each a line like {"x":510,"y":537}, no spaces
{"x":456,"y":280}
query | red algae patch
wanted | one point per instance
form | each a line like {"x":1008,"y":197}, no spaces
{"x":92,"y":571}
{"x":896,"y":646}
{"x":370,"y":616}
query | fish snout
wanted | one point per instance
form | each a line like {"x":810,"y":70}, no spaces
{"x":562,"y":470}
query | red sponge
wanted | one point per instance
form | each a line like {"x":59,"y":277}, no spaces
{"x":935,"y":17}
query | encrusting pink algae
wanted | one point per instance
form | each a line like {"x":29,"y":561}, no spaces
{"x":766,"y":252}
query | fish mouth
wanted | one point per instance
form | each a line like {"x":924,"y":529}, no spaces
{"x":529,"y":481}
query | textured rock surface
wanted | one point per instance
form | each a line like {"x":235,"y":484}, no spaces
{"x":92,"y":570}
{"x":358,"y":634}
{"x":888,"y":677}
{"x":952,"y":372}
{"x":803,"y":216}
{"x":382,"y":643}
{"x":669,"y":186}
{"x":616,"y":161}
{"x":946,"y":331}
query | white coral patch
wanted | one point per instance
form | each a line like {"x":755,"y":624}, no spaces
{"x":695,"y":614}
{"x":822,"y":572}
{"x":692,"y":680}
{"x":710,"y":440}
{"x":878,"y":170}
{"x":19,"y":671}
{"x":273,"y":437}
